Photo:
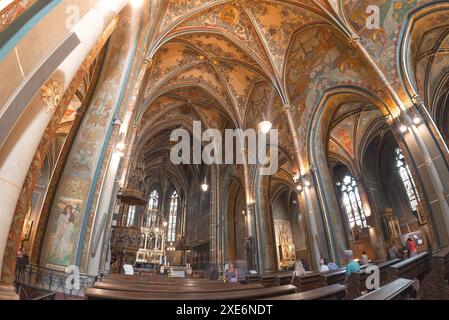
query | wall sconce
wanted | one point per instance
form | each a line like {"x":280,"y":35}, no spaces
{"x":204,"y":185}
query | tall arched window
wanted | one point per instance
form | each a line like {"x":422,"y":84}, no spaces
{"x":407,"y":180}
{"x":352,"y":202}
{"x":173,"y":215}
{"x":131,"y":217}
{"x":153,"y":205}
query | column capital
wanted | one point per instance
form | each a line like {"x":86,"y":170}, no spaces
{"x":51,"y":94}
{"x":314,"y":167}
{"x":288,"y":107}
{"x":148,"y":62}
{"x":417,"y":100}
{"x":354,"y":40}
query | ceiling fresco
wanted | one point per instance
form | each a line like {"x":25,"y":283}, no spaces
{"x":353,"y":122}
{"x":224,"y":62}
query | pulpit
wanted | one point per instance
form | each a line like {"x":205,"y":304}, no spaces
{"x":124,"y":246}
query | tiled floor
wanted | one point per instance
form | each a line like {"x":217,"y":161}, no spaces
{"x":7,"y":293}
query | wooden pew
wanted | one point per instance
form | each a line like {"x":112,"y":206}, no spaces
{"x":383,"y":266}
{"x":435,"y":285}
{"x":333,"y":292}
{"x":268,"y":279}
{"x":412,"y":268}
{"x":253,"y":294}
{"x":399,"y":289}
{"x":158,"y":288}
{"x":283,"y":278}
{"x":158,"y":280}
{"x":252,"y":278}
{"x":330,"y":278}
{"x":310,"y":281}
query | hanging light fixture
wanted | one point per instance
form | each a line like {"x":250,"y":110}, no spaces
{"x":204,"y":186}
{"x":265,"y":126}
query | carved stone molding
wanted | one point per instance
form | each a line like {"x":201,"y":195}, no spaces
{"x":51,"y":94}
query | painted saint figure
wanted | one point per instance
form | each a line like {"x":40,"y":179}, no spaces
{"x":64,"y":230}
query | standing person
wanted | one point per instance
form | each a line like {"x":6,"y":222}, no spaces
{"x":411,"y":247}
{"x":364,"y":259}
{"x":297,"y":272}
{"x":20,"y":262}
{"x":323,"y":266}
{"x":394,"y":252}
{"x":352,"y":266}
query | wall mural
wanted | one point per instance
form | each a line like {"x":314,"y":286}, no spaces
{"x":62,"y":235}
{"x":82,"y":162}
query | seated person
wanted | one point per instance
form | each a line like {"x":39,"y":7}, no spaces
{"x":332,"y":266}
{"x":231,"y":274}
{"x":364,"y":259}
{"x":323,"y":266}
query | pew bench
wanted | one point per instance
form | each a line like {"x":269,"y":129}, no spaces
{"x":310,"y":281}
{"x":283,"y":278}
{"x":333,"y":292}
{"x":399,"y":289}
{"x":268,"y":280}
{"x":413,"y":268}
{"x":252,"y":294}
{"x":252,"y":278}
{"x":223,"y":287}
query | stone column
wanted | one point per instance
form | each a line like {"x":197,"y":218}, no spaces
{"x":308,"y":196}
{"x":375,"y":231}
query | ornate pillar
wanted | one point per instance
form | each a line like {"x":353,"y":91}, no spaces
{"x":308,"y":195}
{"x":18,"y":150}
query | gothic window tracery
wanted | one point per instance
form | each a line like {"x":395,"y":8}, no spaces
{"x":352,"y":202}
{"x":407,"y":180}
{"x":153,"y":205}
{"x":173,"y":214}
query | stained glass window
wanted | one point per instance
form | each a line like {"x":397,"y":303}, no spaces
{"x":352,"y":202}
{"x":407,"y":180}
{"x":173,"y":214}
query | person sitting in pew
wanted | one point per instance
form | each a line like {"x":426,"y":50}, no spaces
{"x":364,"y":258}
{"x":323,"y":266}
{"x":231,"y":274}
{"x":332,"y":266}
{"x":352,"y":266}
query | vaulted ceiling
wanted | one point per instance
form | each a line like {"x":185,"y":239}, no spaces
{"x":224,"y":63}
